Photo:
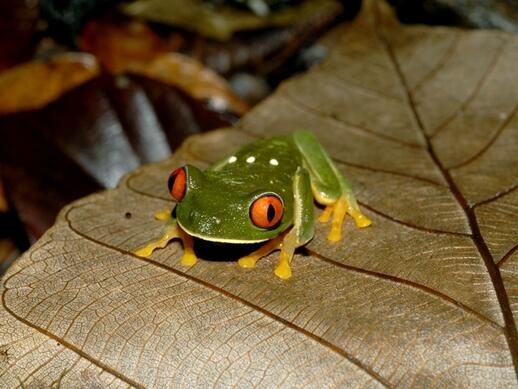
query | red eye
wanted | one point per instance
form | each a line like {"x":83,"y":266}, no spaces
{"x":266,"y":211}
{"x":176,"y":184}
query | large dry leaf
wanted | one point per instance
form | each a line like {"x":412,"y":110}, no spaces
{"x":424,"y":123}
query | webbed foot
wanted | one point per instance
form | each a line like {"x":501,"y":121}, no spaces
{"x":283,"y":269}
{"x":170,"y":233}
{"x":248,"y":262}
{"x":189,"y":257}
{"x":251,"y":259}
{"x":163,"y":215}
{"x":338,"y":211}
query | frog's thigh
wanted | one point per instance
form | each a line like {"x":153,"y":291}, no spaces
{"x":324,"y":181}
{"x":329,"y":186}
{"x":303,"y":222}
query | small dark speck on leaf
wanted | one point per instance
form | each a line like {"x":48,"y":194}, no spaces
{"x":4,"y":354}
{"x":128,"y":215}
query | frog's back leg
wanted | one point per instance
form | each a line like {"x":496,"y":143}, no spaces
{"x":329,"y":187}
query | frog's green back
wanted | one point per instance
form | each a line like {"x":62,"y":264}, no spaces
{"x":275,"y":159}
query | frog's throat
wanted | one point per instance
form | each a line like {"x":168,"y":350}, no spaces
{"x":220,"y":240}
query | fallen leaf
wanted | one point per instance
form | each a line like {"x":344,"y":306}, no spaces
{"x":193,"y":78}
{"x":424,"y":125}
{"x":222,"y":22}
{"x":121,"y":47}
{"x":50,"y":79}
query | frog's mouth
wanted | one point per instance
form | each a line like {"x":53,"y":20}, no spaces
{"x":220,"y":240}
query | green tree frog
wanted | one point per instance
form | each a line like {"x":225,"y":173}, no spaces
{"x":262,"y":193}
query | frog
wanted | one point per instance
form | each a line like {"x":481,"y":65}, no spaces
{"x":262,"y":194}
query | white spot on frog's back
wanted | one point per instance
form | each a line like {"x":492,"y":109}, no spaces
{"x":250,"y":159}
{"x":274,"y":162}
{"x":232,"y":159}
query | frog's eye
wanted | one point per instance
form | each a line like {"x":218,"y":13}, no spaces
{"x":176,"y":183}
{"x":266,"y":211}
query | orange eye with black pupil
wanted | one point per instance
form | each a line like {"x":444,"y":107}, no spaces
{"x":176,"y":184}
{"x":266,"y":211}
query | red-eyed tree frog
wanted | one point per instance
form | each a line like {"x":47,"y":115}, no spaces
{"x":262,"y":193}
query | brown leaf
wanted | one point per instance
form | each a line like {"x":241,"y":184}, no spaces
{"x":423,"y":298}
{"x":50,"y":79}
{"x":193,"y":78}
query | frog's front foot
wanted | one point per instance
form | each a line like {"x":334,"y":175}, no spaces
{"x":170,"y":233}
{"x":251,"y":259}
{"x":163,"y":215}
{"x":248,"y":261}
{"x":189,"y":257}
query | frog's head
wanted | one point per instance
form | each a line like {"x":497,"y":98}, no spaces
{"x":216,"y":208}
